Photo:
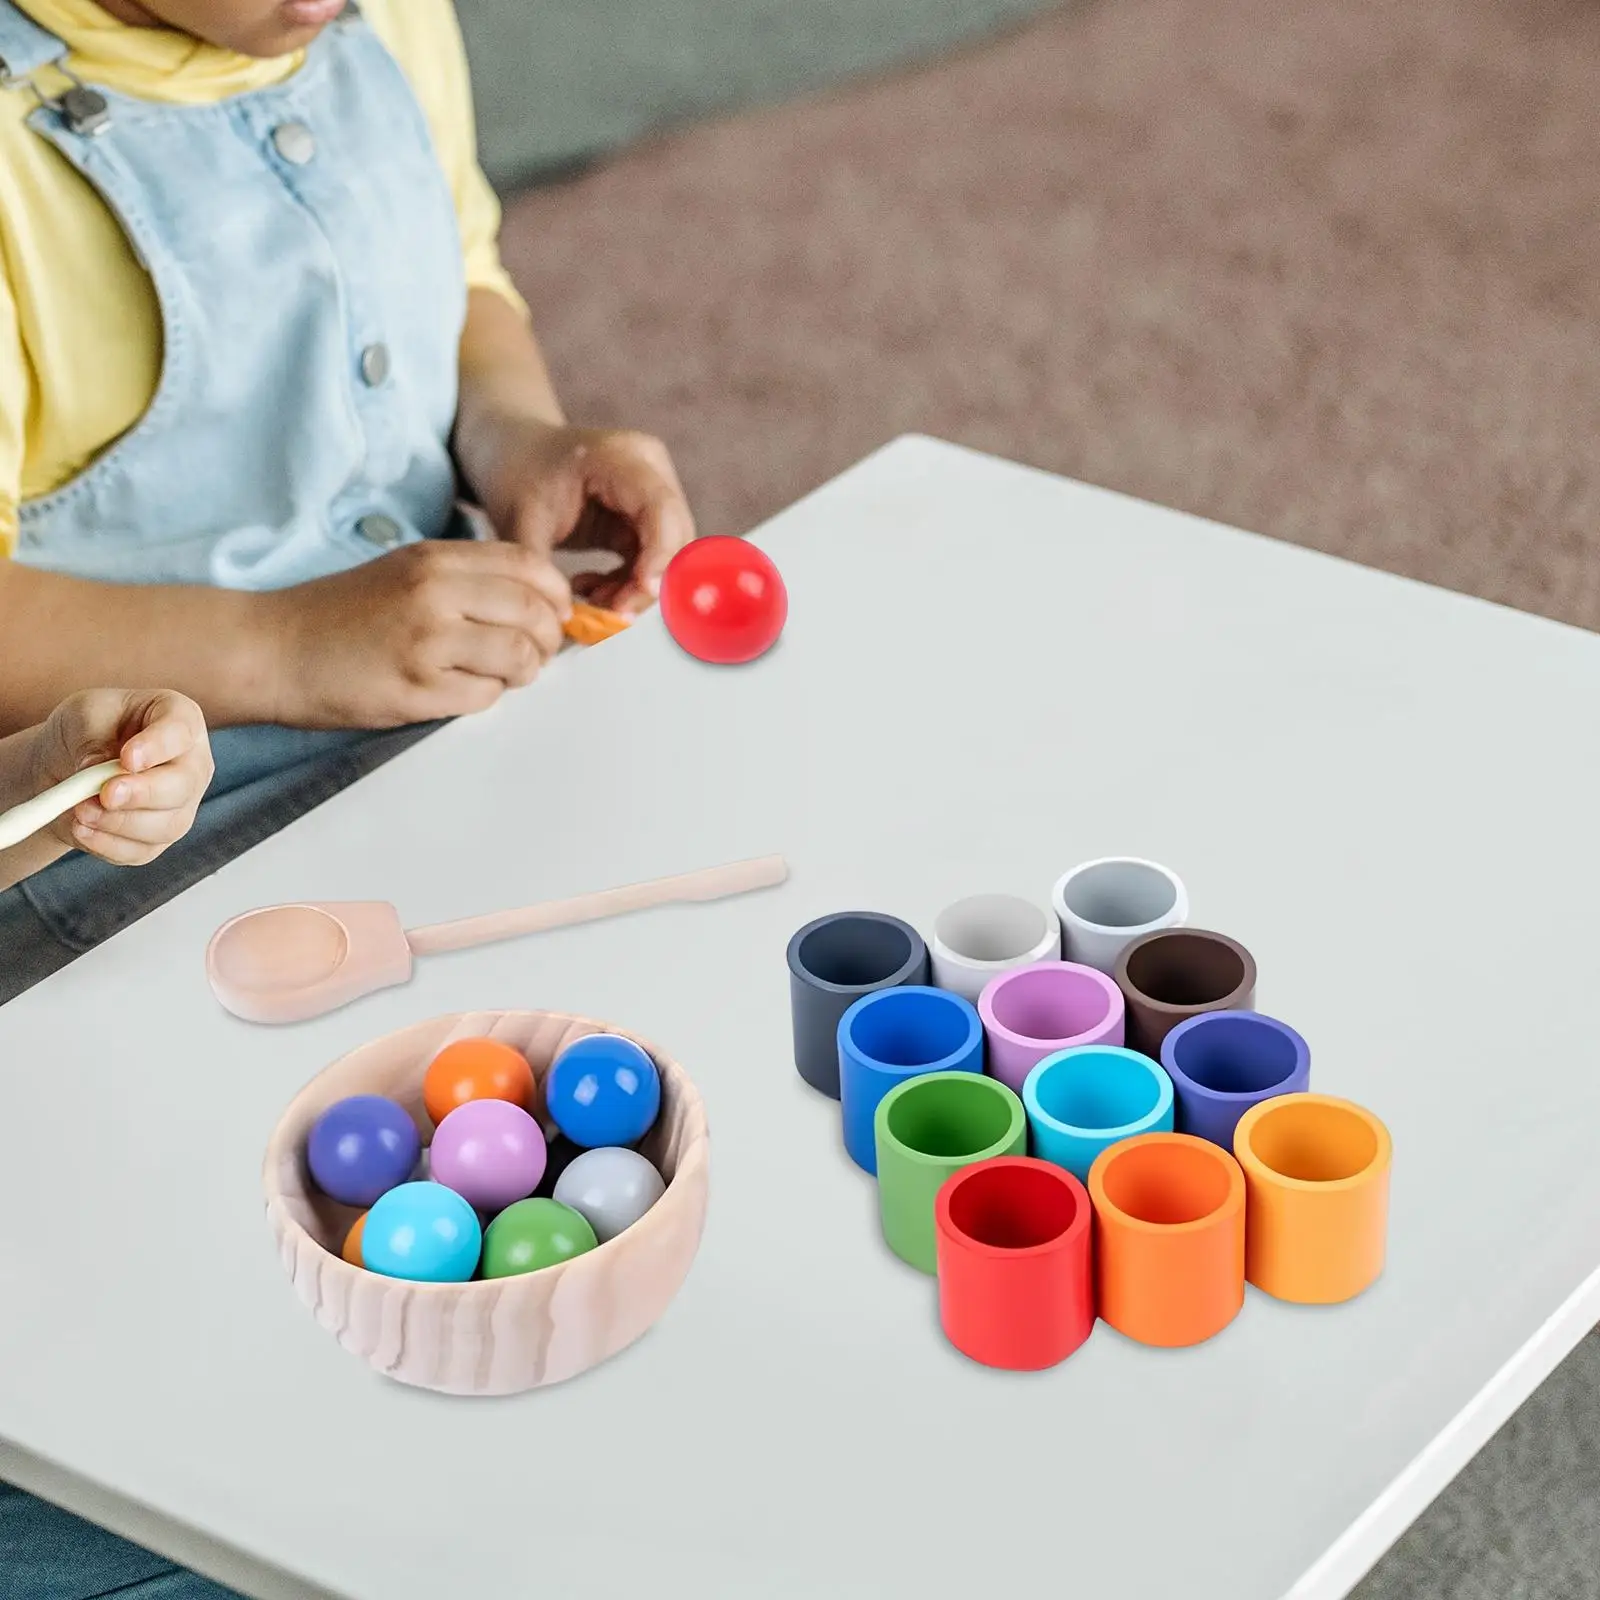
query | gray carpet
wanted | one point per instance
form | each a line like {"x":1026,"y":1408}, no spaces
{"x":558,"y":85}
{"x":1522,"y":1522}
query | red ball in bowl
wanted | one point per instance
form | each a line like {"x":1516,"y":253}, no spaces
{"x":723,"y":600}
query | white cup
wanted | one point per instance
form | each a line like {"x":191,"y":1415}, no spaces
{"x":1105,"y":905}
{"x":976,"y":939}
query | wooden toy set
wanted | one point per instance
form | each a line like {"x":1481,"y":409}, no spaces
{"x":1076,"y":1112}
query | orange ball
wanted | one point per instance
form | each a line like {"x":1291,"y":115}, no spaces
{"x":476,"y":1069}
{"x":352,"y":1242}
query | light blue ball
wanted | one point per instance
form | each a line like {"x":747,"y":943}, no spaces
{"x":423,"y":1232}
{"x":603,"y":1090}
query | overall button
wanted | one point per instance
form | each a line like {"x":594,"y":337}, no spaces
{"x":374,"y":364}
{"x":380,"y":530}
{"x":294,"y":142}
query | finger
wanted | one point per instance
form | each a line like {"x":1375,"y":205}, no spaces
{"x":650,"y":497}
{"x":137,"y":827}
{"x":169,"y":787}
{"x":523,"y":564}
{"x":510,"y":656}
{"x":463,"y":694}
{"x":505,"y":603}
{"x":172,"y":727}
{"x":119,"y":852}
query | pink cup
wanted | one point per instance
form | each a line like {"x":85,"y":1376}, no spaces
{"x":1033,"y":1011}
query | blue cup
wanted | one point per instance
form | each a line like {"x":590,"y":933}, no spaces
{"x":1081,"y":1100}
{"x":894,"y":1034}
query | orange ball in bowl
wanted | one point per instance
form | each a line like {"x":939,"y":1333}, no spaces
{"x":352,"y":1242}
{"x":476,"y":1069}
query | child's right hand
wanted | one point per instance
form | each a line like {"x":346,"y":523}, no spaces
{"x":433,"y":630}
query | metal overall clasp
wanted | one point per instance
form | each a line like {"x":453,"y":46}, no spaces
{"x":83,"y":110}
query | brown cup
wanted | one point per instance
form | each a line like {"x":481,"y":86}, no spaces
{"x":1173,"y":974}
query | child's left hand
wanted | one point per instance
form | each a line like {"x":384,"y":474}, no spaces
{"x":599,"y":489}
{"x":161,"y":740}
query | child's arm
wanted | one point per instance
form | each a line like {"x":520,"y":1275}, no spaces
{"x":545,"y":484}
{"x":61,"y":633}
{"x":159,"y":737}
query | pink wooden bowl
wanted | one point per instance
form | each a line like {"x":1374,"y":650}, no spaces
{"x":510,"y":1334}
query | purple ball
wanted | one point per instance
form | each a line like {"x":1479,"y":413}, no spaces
{"x":490,"y":1152}
{"x":361,"y":1148}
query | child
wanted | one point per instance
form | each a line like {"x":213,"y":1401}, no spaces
{"x":255,"y":345}
{"x":160,"y":739}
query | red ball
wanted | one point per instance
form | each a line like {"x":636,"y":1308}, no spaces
{"x":723,"y":600}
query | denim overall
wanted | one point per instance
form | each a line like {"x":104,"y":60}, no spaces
{"x":303,"y":245}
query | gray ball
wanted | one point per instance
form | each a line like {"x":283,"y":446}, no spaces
{"x":611,"y":1188}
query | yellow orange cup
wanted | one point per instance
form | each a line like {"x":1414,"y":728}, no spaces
{"x":1316,"y":1175}
{"x":1169,"y":1238}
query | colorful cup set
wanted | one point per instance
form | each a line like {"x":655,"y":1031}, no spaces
{"x":1076,"y":1112}
{"x":494,"y":1194}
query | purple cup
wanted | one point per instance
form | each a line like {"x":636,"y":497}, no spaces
{"x":1031,"y":1012}
{"x":490,"y":1152}
{"x":1223,"y":1062}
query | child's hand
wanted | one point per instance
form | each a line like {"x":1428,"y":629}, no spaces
{"x":159,"y":737}
{"x":432,"y":630}
{"x":566,"y":488}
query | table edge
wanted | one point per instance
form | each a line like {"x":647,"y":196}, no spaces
{"x":1377,"y":1529}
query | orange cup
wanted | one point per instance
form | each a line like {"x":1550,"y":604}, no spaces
{"x":1316,"y":1173}
{"x":1169,"y":1238}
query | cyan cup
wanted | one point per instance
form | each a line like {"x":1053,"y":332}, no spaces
{"x":894,"y":1034}
{"x":1083,"y":1100}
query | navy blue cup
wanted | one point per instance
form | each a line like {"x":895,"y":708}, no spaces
{"x":832,"y":963}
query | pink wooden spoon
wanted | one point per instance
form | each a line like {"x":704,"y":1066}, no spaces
{"x":292,"y":962}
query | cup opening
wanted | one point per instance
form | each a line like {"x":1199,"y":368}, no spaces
{"x":949,"y":1118}
{"x":1313,"y":1142}
{"x":1185,"y":969}
{"x":1097,"y":1089}
{"x":1119,"y":894}
{"x":1235,"y":1055}
{"x":991,"y":927}
{"x":1012,"y":1208}
{"x":1165,"y":1183}
{"x":854,"y":952}
{"x":1050,"y":1002}
{"x":910,"y":1027}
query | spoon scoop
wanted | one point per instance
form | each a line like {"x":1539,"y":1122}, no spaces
{"x":289,"y":963}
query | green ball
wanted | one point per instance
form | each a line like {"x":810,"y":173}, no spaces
{"x":531,"y":1234}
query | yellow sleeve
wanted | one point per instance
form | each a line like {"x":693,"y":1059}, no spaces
{"x":13,"y":409}
{"x":425,"y":38}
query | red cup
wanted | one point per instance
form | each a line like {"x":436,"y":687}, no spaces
{"x":1012,"y":1247}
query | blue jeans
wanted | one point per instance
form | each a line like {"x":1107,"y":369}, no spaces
{"x":47,"y":1554}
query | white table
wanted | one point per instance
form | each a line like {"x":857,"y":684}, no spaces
{"x":1384,"y":790}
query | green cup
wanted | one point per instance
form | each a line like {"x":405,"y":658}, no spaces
{"x":926,"y":1128}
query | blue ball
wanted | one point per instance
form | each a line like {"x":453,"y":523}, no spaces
{"x":361,"y":1147}
{"x":603,"y":1090}
{"x":423,"y":1232}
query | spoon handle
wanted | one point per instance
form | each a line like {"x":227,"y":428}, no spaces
{"x":22,"y":822}
{"x":709,"y":883}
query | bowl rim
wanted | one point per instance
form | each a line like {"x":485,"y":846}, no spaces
{"x":696,"y":1137}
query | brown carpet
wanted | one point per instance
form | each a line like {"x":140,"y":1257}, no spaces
{"x":1329,"y":272}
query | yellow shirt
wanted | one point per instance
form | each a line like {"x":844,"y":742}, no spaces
{"x":80,"y":327}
